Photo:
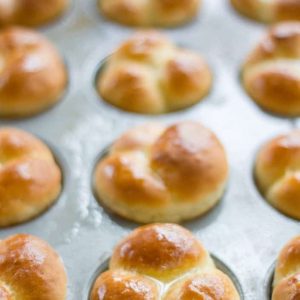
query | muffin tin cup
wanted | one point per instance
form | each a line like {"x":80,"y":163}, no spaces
{"x":268,"y":284}
{"x":62,"y":21}
{"x":60,"y":161}
{"x":226,"y":269}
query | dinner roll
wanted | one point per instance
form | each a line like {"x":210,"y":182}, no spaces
{"x":287,"y":273}
{"x":271,"y":73}
{"x":209,"y":285}
{"x":269,"y":11}
{"x":122,"y":285}
{"x":30,"y":12}
{"x":148,"y":74}
{"x":155,"y":173}
{"x":150,"y":12}
{"x":30,"y":180}
{"x":32,"y":73}
{"x":164,"y":174}
{"x":30,"y":269}
{"x":175,"y":249}
{"x":162,"y":262}
{"x":277,"y":173}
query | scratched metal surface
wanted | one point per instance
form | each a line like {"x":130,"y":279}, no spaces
{"x":243,"y":231}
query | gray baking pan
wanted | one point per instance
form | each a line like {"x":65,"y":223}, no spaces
{"x":243,"y":231}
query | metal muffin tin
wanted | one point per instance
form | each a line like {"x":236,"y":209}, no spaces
{"x":244,"y":231}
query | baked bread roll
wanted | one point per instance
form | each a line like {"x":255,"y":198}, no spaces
{"x":211,"y":285}
{"x":287,"y":273}
{"x":30,"y":12}
{"x":30,"y":269}
{"x":271,"y":72}
{"x":30,"y":180}
{"x":32,"y":73}
{"x":150,"y":12}
{"x":277,"y":173}
{"x":162,"y":262}
{"x":155,"y":173}
{"x":148,"y":74}
{"x":269,"y":11}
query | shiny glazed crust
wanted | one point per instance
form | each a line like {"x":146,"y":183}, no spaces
{"x":148,"y":74}
{"x":150,"y":12}
{"x":30,"y":269}
{"x":32,"y":73}
{"x":271,"y":74}
{"x":162,"y":261}
{"x":154,"y":173}
{"x":277,"y":173}
{"x":30,"y":180}
{"x":269,"y":11}
{"x":287,"y":273}
{"x":30,"y":12}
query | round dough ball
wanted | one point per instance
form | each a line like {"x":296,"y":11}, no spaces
{"x":277,"y":173}
{"x":287,"y":274}
{"x":269,"y":11}
{"x":30,"y":269}
{"x":31,"y":12}
{"x":150,"y":12}
{"x":155,"y":173}
{"x":270,"y":75}
{"x":32,"y":73}
{"x":162,"y":262}
{"x":30,"y":180}
{"x":149,"y":75}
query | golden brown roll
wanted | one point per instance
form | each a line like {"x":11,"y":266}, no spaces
{"x":30,"y":180}
{"x":150,"y":12}
{"x":30,"y":269}
{"x":211,"y":285}
{"x":277,"y":173}
{"x":32,"y":73}
{"x":287,"y":273}
{"x":122,"y":285}
{"x":155,"y":173}
{"x":162,"y":262}
{"x":30,"y":12}
{"x":269,"y":11}
{"x":271,"y":73}
{"x":175,"y":249}
{"x":148,"y":74}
